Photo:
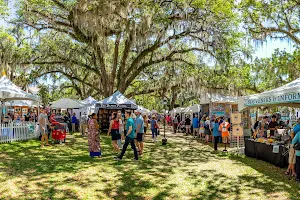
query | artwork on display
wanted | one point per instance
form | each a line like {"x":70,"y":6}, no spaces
{"x":227,"y":110}
{"x":24,"y":110}
{"x":236,"y":118}
{"x":237,"y":130}
{"x":234,"y":108}
{"x":17,"y":109}
{"x":218,"y":113}
{"x":217,"y":107}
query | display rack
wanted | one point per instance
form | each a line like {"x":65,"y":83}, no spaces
{"x":103,"y":117}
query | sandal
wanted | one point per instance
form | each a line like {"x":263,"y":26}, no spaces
{"x":287,"y":173}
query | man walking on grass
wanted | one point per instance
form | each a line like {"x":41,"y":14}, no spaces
{"x":130,"y":129}
{"x":83,"y":123}
{"x":139,"y":131}
{"x":74,"y":121}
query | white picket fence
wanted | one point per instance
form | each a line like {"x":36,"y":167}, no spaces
{"x":17,"y":131}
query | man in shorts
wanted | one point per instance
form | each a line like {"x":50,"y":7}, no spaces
{"x":43,"y":122}
{"x":139,"y":131}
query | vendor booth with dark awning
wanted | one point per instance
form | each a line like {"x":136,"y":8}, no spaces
{"x":114,"y":103}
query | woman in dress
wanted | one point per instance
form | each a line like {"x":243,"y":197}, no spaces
{"x":94,"y":137}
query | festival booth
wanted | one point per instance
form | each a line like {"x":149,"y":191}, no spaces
{"x":218,"y":105}
{"x":71,"y":105}
{"x":274,"y":149}
{"x":194,"y":109}
{"x":144,"y":110}
{"x":14,"y":129}
{"x":90,"y":107}
{"x":114,"y":103}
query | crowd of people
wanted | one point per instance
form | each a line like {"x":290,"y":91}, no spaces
{"x":124,"y":129}
{"x":131,"y":127}
{"x":214,"y":130}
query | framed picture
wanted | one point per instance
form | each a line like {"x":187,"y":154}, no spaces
{"x":236,"y":118}
{"x":237,"y":130}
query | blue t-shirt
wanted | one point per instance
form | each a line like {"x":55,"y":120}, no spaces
{"x":216,"y":131}
{"x":195,"y":123}
{"x":296,"y":129}
{"x":130,"y":122}
{"x":295,"y":140}
{"x":74,"y":119}
{"x":139,"y":121}
{"x":153,"y":122}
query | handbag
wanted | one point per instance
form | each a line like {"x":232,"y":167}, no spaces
{"x":297,"y":146}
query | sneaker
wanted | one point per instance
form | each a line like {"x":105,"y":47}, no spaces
{"x":117,"y":158}
{"x":135,"y":160}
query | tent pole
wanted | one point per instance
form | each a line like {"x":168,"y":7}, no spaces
{"x":38,"y":112}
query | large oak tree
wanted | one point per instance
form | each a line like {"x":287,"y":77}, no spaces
{"x":105,"y":45}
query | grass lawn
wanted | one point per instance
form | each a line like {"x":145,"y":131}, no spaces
{"x":183,"y":169}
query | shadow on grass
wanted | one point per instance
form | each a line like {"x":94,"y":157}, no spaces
{"x":150,"y":178}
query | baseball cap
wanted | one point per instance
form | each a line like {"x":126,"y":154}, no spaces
{"x":139,"y":111}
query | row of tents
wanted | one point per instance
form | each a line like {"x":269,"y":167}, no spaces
{"x":89,"y":105}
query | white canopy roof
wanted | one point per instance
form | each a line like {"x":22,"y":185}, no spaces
{"x":192,"y":109}
{"x":286,"y":95}
{"x":218,"y":98}
{"x":117,"y":98}
{"x":144,"y":110}
{"x":179,"y":110}
{"x":21,"y":103}
{"x":117,"y":101}
{"x":68,"y":103}
{"x":91,"y":101}
{"x":9,"y":91}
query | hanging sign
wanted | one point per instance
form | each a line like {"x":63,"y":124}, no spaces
{"x":286,"y":98}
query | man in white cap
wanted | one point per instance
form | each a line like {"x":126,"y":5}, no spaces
{"x":83,"y":123}
{"x":139,"y":131}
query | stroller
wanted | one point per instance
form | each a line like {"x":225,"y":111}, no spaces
{"x":181,"y":127}
{"x":59,"y":131}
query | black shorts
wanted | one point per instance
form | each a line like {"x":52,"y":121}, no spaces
{"x":145,"y":129}
{"x":140,"y":137}
{"x":115,"y":135}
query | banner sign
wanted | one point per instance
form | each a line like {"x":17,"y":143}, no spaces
{"x":286,"y":98}
{"x":117,"y":106}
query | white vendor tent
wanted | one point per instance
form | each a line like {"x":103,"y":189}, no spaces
{"x":91,"y":101}
{"x":67,"y":103}
{"x":9,"y":91}
{"x":117,"y":101}
{"x":192,"y":109}
{"x":218,"y":98}
{"x":178,"y":110}
{"x":21,"y":103}
{"x":144,"y":110}
{"x":286,"y":95}
{"x":90,"y":106}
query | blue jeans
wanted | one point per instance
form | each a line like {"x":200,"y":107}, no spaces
{"x":154,"y":132}
{"x":128,"y":141}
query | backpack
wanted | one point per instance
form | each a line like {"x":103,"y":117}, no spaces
{"x":206,"y":126}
